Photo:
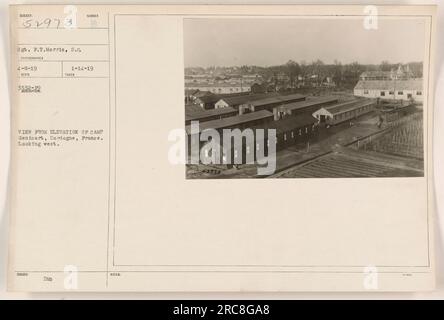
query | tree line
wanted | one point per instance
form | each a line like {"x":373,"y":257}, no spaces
{"x":341,"y":74}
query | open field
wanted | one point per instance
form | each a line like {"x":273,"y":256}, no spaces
{"x":349,"y":163}
{"x":397,"y":152}
{"x":405,"y":140}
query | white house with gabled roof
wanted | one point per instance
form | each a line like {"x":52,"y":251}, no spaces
{"x":408,"y":90}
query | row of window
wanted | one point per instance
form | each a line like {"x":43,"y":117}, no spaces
{"x":220,"y":90}
{"x":306,"y":129}
{"x":292,"y":134}
{"x":299,"y":132}
{"x":400,"y":93}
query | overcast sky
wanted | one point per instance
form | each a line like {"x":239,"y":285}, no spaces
{"x":265,"y":42}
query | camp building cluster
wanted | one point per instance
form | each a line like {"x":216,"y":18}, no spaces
{"x":294,"y":117}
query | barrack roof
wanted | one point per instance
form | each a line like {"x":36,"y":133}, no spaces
{"x":348,"y":106}
{"x":308,"y":103}
{"x":191,"y":115}
{"x":232,"y":121}
{"x":277,"y":99}
{"x":409,"y":84}
{"x":233,"y":101}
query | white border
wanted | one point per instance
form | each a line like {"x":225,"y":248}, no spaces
{"x":438,"y":167}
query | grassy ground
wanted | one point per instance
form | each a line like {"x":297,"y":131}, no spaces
{"x":406,"y":140}
{"x":396,"y":153}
